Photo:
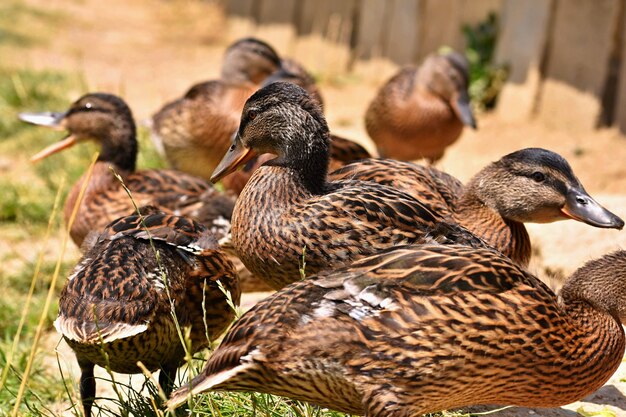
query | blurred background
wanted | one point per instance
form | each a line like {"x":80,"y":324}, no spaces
{"x":545,"y":73}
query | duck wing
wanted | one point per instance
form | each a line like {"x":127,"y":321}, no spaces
{"x":434,"y":188}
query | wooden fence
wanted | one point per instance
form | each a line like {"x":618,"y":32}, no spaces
{"x":564,"y":55}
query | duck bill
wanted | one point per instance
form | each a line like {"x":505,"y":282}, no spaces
{"x":68,"y":142}
{"x":52,"y":120}
{"x":463,"y":109}
{"x":236,"y":156}
{"x":581,"y":207}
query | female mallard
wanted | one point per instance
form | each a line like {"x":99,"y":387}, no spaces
{"x":342,"y":151}
{"x":108,"y":120}
{"x":288,"y":212}
{"x":421,"y":111}
{"x":528,"y":186}
{"x":116,"y":307}
{"x":424,"y":328}
{"x":199,"y":126}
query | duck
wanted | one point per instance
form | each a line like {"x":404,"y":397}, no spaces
{"x":531,"y":185}
{"x":107,"y":119}
{"x":123,"y":304}
{"x":422,"y":328}
{"x":199,"y":125}
{"x":289,"y":217}
{"x":419,"y":112}
{"x":343,"y":151}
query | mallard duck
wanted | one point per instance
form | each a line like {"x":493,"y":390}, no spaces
{"x":421,"y":111}
{"x":342,"y":151}
{"x":424,"y":328}
{"x":288,"y":211}
{"x":116,"y":307}
{"x":107,"y":119}
{"x":199,"y":126}
{"x":528,"y":186}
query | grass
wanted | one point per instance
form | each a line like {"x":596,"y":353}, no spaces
{"x":24,"y":213}
{"x":28,"y":197}
{"x":17,"y":21}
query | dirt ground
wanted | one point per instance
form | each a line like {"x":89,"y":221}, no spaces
{"x":137,"y":49}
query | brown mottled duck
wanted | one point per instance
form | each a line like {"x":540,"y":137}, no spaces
{"x":107,"y":119}
{"x":421,"y":111}
{"x":424,"y":328}
{"x":532,"y":185}
{"x":199,"y":126}
{"x":289,"y":211}
{"x":118,"y":300}
{"x":342,"y":151}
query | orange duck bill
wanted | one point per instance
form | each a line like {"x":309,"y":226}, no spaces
{"x":580,"y":206}
{"x":236,"y":156}
{"x":52,"y":120}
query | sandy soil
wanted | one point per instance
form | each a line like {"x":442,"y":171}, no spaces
{"x":139,"y":50}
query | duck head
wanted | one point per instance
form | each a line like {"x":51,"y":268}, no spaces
{"x":281,"y":119}
{"x":447,"y":76}
{"x":102,"y":117}
{"x":535,"y":185}
{"x":600,"y":282}
{"x":249,"y":59}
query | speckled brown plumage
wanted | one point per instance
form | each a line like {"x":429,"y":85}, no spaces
{"x":106,"y":119}
{"x":531,"y":185}
{"x":421,"y":111}
{"x":288,"y":205}
{"x":424,"y":328}
{"x":199,"y":126}
{"x":342,"y":151}
{"x":119,"y":298}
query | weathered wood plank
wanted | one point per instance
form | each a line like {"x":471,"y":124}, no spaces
{"x":524,"y":28}
{"x":619,"y":112}
{"x":324,"y":32}
{"x":241,"y":20}
{"x":577,"y":64}
{"x":440,"y":26}
{"x":370,"y":27}
{"x":443,"y":20}
{"x":402,"y":36}
{"x":369,"y":60}
{"x":276,"y":23}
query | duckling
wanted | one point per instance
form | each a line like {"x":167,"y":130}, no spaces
{"x":107,"y":119}
{"x":424,"y":328}
{"x":531,"y":185}
{"x":421,"y":111}
{"x":116,"y":307}
{"x":199,"y":126}
{"x":289,"y":211}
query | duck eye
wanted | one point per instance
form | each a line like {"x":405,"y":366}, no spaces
{"x":252,"y":115}
{"x":538,"y":176}
{"x":88,"y":105}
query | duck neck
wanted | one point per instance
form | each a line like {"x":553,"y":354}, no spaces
{"x":100,"y":181}
{"x":308,"y":158}
{"x":508,"y":236}
{"x":119,"y":145}
{"x":596,"y":344}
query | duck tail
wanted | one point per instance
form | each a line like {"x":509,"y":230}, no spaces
{"x":204,"y":382}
